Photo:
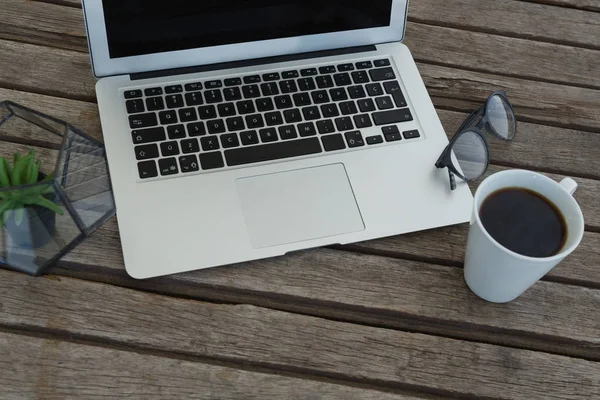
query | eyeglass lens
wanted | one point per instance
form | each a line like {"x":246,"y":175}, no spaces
{"x":501,"y":117}
{"x":470,"y":155}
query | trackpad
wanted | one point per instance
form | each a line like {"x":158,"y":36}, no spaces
{"x":299,"y":205}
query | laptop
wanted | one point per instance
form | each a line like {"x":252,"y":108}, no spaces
{"x":240,"y":130}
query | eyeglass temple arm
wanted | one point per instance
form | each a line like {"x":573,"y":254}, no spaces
{"x":452,"y":180}
{"x":470,"y":119}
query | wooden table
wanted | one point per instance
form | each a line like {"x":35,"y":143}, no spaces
{"x":387,"y":319}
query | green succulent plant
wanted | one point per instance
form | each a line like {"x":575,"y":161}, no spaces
{"x":24,"y":171}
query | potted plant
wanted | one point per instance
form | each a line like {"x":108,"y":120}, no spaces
{"x":27,"y":212}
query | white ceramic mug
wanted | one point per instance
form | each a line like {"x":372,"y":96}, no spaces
{"x":498,"y":274}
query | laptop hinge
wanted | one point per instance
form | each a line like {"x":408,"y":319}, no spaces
{"x":249,"y":63}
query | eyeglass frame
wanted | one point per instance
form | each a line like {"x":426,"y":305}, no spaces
{"x":445,"y":159}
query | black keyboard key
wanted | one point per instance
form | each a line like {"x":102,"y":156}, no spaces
{"x":362,"y":121}
{"x":273,"y":151}
{"x":360,"y":77}
{"x":329,"y":110}
{"x":388,"y":130}
{"x":311,"y":113}
{"x":189,"y":163}
{"x":324,"y":81}
{"x":251,"y":79}
{"x":366,"y":105}
{"x":213,"y":96}
{"x":135,"y":106}
{"x":382,"y":74}
{"x":188,"y":115}
{"x":174,"y":89}
{"x":274,"y":118}
{"x":216,"y":126}
{"x":288,"y":86}
{"x":147,"y":169}
{"x":306,"y":84}
{"x":382,"y":63}
{"x":153,"y":92}
{"x":393,"y":137}
{"x":333,"y":142}
{"x":283,"y":101}
{"x":320,"y":97}
{"x":374,"y":89}
{"x":226,"y":109}
{"x":169,"y":148}
{"x":233,"y":81}
{"x":288,"y":132}
{"x":265,"y":104}
{"x":230,"y":140}
{"x":345,"y":67}
{"x":292,"y":116}
{"x":325,"y":126}
{"x":207,"y":112}
{"x":344,"y":124}
{"x":193,"y":87}
{"x":364,"y":65}
{"x":356,"y":92}
{"x":268,"y":135}
{"x":393,"y":88}
{"x":354,"y":139}
{"x":254,"y":121}
{"x":133,"y":94}
{"x":155,"y":104}
{"x":307,"y":129}
{"x":194,"y":99}
{"x":175,"y":101}
{"x":342,"y":79}
{"x":211,"y":160}
{"x":392,"y":116}
{"x":190,"y":146}
{"x":302,"y":99}
{"x":249,"y":138}
{"x":411,"y":134}
{"x":384,"y":102}
{"x":271,"y":76}
{"x":235,"y":124}
{"x":146,"y":152}
{"x":215,"y":84}
{"x":246,"y":107}
{"x":269,"y":89}
{"x":178,"y":131}
{"x":168,"y":166}
{"x":232,"y":94}
{"x":374,"y":140}
{"x":308,"y":72}
{"x":348,"y":108}
{"x":168,"y":117}
{"x":338,"y":94}
{"x":195,"y":129}
{"x":210,"y":143}
{"x":289,"y":74}
{"x":330,"y":69}
{"x":251,"y":91}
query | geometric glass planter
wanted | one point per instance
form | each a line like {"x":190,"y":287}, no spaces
{"x":33,"y":238}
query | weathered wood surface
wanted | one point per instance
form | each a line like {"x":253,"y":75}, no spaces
{"x":389,"y":318}
{"x":268,"y":338}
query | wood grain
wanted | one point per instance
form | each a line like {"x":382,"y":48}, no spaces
{"x":592,"y":5}
{"x":49,"y":369}
{"x":274,"y":339}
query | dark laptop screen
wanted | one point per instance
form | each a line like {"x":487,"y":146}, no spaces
{"x":137,"y":27}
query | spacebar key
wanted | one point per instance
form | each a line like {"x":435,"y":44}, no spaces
{"x":274,"y":151}
{"x":392,"y":116}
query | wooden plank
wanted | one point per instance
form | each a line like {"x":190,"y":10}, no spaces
{"x":279,"y":340}
{"x":512,"y":18}
{"x":49,"y":369}
{"x":592,"y":5}
{"x":503,"y":55}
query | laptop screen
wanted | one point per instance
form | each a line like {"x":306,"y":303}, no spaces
{"x":138,"y":27}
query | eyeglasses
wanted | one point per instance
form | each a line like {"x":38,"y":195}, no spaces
{"x":467,"y":155}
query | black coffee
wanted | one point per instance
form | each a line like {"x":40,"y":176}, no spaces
{"x":524,"y":221}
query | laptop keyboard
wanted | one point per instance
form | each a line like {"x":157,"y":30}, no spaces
{"x":214,"y":124}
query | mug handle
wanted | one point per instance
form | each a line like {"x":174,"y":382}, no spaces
{"x":569,"y":185}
